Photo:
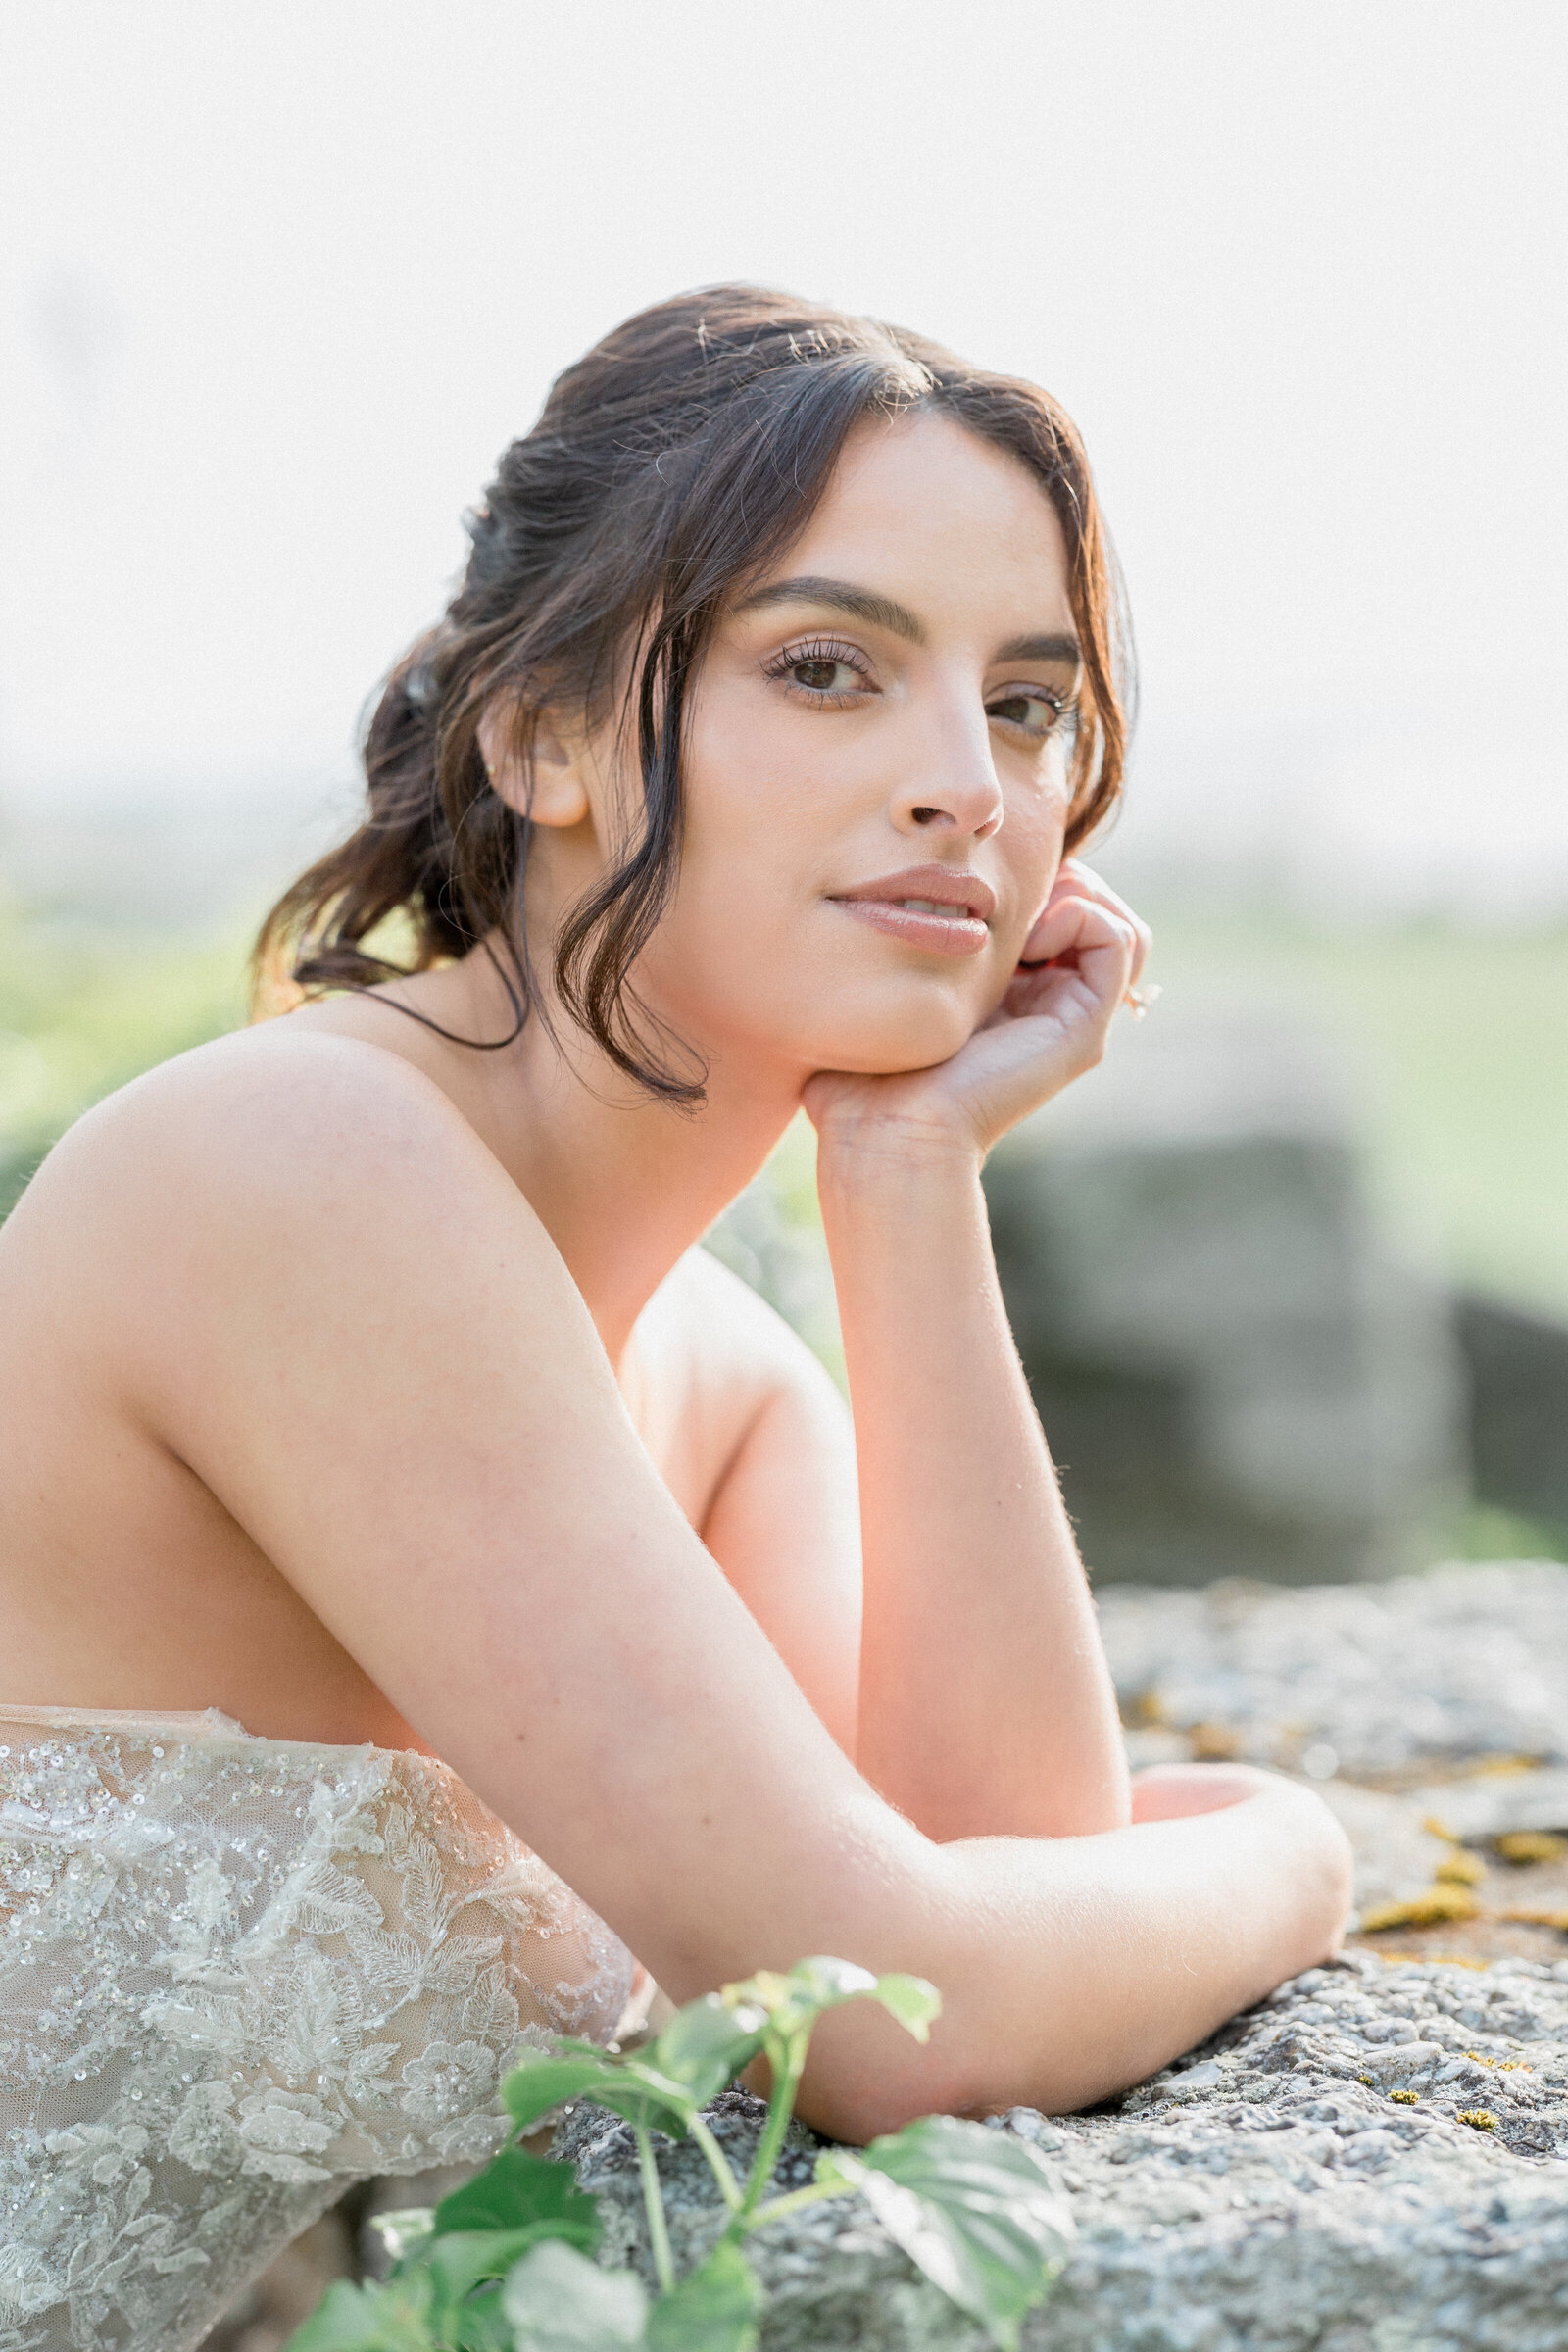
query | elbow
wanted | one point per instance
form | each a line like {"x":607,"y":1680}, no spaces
{"x":857,"y":2113}
{"x":859,"y":2084}
{"x":1314,"y":1877}
{"x":1329,"y":1887}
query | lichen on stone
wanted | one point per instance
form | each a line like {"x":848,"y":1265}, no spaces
{"x":1530,"y":1845}
{"x":1440,"y":1903}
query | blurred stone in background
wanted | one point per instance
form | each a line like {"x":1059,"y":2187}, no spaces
{"x":1518,"y":1369}
{"x":1239,"y":1372}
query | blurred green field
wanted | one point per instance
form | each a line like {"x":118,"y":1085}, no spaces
{"x":1460,"y":1045}
{"x":1462,"y":1042}
{"x":85,"y":1007}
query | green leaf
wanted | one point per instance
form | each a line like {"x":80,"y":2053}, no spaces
{"x":975,"y":2209}
{"x":481,"y":2325}
{"x":912,"y":2001}
{"x":706,"y":2044}
{"x":469,"y":2257}
{"x":646,"y":2097}
{"x":517,"y":2191}
{"x":714,"y":2309}
{"x":792,"y":2004}
{"x":405,"y":2233}
{"x":367,"y":2318}
{"x":627,"y":2086}
{"x":539,"y":2082}
{"x":559,"y":2302}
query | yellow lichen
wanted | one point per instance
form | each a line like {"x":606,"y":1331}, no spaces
{"x":1441,"y":1903}
{"x":1434,"y":1828}
{"x":1502,"y":1768}
{"x":1405,"y":2098}
{"x":1532,"y":1918}
{"x":1366,"y":2079}
{"x":1505,"y":2066}
{"x":1213,"y":1743}
{"x":1460,"y":1870}
{"x":1531,"y":1845}
{"x":1461,"y":1960}
{"x":1479,"y":2119}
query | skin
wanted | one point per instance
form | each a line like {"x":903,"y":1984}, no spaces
{"x":369,"y":1389}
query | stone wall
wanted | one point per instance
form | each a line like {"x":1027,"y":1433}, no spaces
{"x":1375,"y":2158}
{"x":1236,"y":1373}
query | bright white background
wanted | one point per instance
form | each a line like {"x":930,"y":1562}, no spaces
{"x":278,"y":281}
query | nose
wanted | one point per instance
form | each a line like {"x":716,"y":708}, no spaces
{"x":950,"y":784}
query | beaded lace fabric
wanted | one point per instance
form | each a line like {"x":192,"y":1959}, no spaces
{"x":237,"y":1975}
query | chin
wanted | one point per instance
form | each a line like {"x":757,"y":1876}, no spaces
{"x":803,"y":1020}
{"x":886,"y":1042}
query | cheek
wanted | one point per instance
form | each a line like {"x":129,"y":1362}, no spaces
{"x":746,"y":841}
{"x":759,"y":808}
{"x":1032,"y":839}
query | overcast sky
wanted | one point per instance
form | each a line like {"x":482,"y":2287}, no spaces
{"x":278,"y":281}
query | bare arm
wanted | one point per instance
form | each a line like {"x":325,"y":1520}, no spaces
{"x":757,"y":1443}
{"x":986,"y":1706}
{"x":330,"y":1303}
{"x":985,"y":1702}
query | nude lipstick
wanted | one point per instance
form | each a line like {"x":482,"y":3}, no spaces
{"x":930,"y":906}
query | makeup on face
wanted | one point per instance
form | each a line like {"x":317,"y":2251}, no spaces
{"x":937,"y":907}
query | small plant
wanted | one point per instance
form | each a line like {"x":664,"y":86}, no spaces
{"x":505,"y":2265}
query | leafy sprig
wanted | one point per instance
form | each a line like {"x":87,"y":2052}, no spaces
{"x":504,"y":2263}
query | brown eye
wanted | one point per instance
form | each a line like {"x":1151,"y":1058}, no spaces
{"x":824,"y":671}
{"x":1037,"y":713}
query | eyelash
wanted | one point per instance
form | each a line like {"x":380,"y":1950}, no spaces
{"x":818,"y":649}
{"x":832,"y":648}
{"x":1066,"y":711}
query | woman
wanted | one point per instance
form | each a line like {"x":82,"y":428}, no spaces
{"x":362,"y":1384}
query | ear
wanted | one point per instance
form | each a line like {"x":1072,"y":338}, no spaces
{"x":547,"y":786}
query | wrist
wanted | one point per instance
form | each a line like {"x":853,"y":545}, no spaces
{"x":875,"y":1159}
{"x":894,"y":1174}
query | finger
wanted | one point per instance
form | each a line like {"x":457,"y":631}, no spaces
{"x":1094,"y":886}
{"x":1077,"y":880}
{"x":1099,"y":946}
{"x":1054,"y":931}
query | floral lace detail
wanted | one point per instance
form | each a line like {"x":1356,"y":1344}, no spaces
{"x":236,"y":1973}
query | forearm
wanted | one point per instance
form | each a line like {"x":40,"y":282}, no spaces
{"x":1073,"y":1968}
{"x":986,"y":1707}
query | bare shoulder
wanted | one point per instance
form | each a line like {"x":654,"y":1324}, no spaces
{"x":322,"y":1174}
{"x":287,"y":1117}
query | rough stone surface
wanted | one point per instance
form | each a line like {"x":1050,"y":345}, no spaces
{"x":1269,"y":2192}
{"x":1399,"y":1679}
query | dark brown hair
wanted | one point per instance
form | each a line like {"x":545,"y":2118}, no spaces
{"x":675,"y":461}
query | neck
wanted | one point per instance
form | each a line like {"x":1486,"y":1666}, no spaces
{"x":622,"y":1182}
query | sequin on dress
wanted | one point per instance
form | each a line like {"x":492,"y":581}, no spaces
{"x":237,"y":1975}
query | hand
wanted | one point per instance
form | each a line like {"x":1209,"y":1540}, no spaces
{"x":1084,"y":952}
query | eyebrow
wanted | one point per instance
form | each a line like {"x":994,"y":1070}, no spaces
{"x":882,"y":612}
{"x":885,"y":613}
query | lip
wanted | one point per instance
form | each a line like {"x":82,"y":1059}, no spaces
{"x":962,"y":932}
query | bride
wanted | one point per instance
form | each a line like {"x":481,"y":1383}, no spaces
{"x":427,"y":1578}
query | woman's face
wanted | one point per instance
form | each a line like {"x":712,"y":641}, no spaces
{"x":876,"y":769}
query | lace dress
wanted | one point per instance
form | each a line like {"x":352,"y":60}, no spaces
{"x":237,"y":1975}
